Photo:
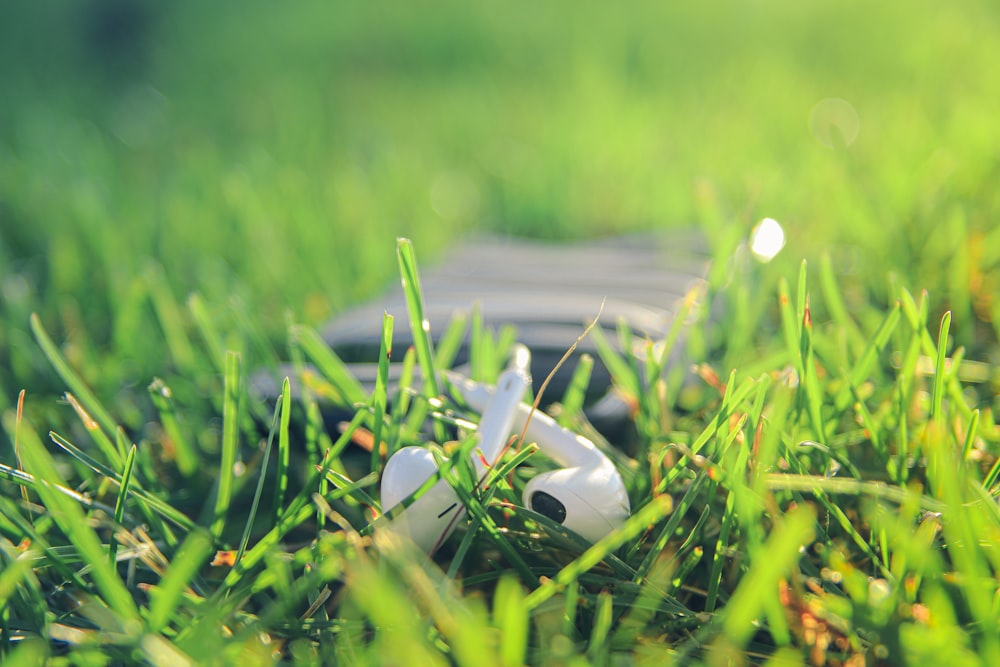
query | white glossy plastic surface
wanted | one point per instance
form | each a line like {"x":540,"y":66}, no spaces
{"x":429,"y":520}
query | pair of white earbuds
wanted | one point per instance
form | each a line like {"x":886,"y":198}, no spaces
{"x":587,"y":496}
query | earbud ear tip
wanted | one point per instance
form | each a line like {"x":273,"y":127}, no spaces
{"x":591,"y":502}
{"x":404,"y":473}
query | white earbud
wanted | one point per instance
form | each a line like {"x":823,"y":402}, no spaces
{"x":586,"y":496}
{"x":430,"y":518}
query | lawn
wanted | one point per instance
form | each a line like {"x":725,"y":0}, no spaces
{"x":188,"y":191}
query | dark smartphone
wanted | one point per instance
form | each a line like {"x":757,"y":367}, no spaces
{"x":550,"y":292}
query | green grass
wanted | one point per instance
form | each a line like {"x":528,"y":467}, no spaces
{"x":187,"y":205}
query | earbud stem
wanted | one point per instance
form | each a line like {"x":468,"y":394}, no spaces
{"x":499,"y":412}
{"x":562,"y":445}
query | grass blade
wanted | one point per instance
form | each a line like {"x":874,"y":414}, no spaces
{"x":600,"y":631}
{"x":284,"y":446}
{"x":87,"y":398}
{"x":731,"y":401}
{"x":802,"y":295}
{"x":483,"y":363}
{"x":834,"y":300}
{"x":576,"y":391}
{"x":73,"y":522}
{"x":329,"y":365}
{"x":876,"y":344}
{"x":789,"y":323}
{"x":810,"y":382}
{"x":379,"y":397}
{"x":259,"y":491}
{"x":621,"y":372}
{"x":670,"y":527}
{"x":419,"y":325}
{"x":230,"y":443}
{"x":481,"y":518}
{"x":721,"y":550}
{"x":16,"y":572}
{"x":18,"y":416}
{"x":846,"y":486}
{"x":991,"y":476}
{"x":169,"y":314}
{"x":511,"y":618}
{"x":191,"y":555}
{"x":120,"y":504}
{"x":652,"y":512}
{"x":29,"y":653}
{"x":162,"y":508}
{"x":761,"y":581}
{"x":20,"y":527}
{"x":114,"y":455}
{"x":400,"y":424}
{"x":185,"y":454}
{"x":209,"y":332}
{"x":450,"y":341}
{"x":937,"y":397}
{"x":970,"y":435}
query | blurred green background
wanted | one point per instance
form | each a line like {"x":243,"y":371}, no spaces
{"x":273,"y":151}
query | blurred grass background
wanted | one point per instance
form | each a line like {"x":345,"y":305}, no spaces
{"x":179,"y":182}
{"x":273,"y":151}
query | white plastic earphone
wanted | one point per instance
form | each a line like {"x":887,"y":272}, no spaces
{"x":587,"y":496}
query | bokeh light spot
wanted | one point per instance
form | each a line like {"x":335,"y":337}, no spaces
{"x":834,"y":122}
{"x":767,"y":239}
